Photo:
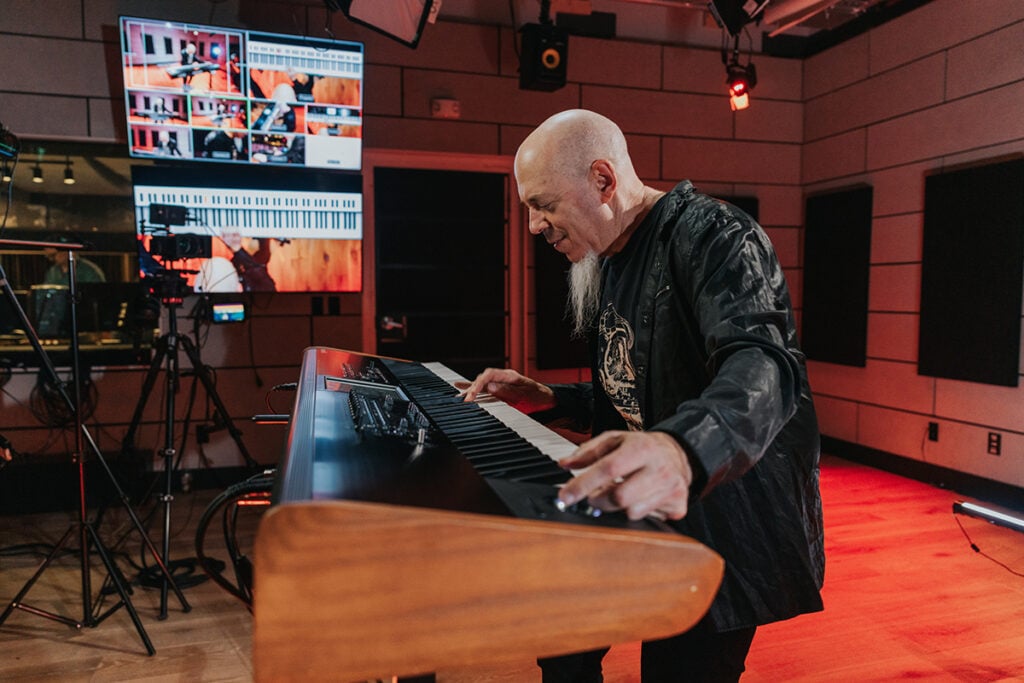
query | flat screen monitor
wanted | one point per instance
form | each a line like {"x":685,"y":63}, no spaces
{"x":254,"y":229}
{"x":207,"y":93}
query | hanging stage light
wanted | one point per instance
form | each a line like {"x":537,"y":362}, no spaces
{"x":69,"y":175}
{"x":741,"y":79}
{"x":37,"y":174}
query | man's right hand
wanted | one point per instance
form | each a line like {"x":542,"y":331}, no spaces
{"x":511,"y":387}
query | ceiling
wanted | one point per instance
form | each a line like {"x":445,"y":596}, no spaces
{"x":790,"y":28}
{"x":106,"y":170}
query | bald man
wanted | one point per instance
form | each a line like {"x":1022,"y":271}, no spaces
{"x":699,"y":404}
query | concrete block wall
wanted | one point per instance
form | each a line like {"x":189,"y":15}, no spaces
{"x":939,"y":87}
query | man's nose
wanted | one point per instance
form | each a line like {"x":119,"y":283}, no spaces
{"x":537,"y":222}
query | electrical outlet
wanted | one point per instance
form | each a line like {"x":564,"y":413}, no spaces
{"x":995,"y":443}
{"x":933,"y":431}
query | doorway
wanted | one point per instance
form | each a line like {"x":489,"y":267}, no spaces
{"x":441,"y":266}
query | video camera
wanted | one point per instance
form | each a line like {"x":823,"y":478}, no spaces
{"x":175,"y":247}
{"x":171,"y":246}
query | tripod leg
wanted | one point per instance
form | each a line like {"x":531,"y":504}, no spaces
{"x":211,"y":392}
{"x":155,"y":366}
{"x":115,"y":576}
{"x":16,"y":603}
{"x":123,"y":497}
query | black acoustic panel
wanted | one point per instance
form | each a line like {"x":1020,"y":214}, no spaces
{"x":441,"y":273}
{"x":972,"y":274}
{"x":837,"y":253}
{"x":555,"y":346}
{"x":749,"y":205}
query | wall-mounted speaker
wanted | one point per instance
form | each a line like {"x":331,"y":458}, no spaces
{"x":544,"y":57}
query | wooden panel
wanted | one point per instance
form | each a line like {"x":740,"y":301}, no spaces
{"x":936,"y":25}
{"x":985,"y":119}
{"x":834,"y":157}
{"x":614,"y":62}
{"x":896,"y":239}
{"x":836,"y":67}
{"x":348,"y":591}
{"x":732,"y":162}
{"x":895,"y":288}
{"x":915,"y":86}
{"x":893,"y":336}
{"x":986,"y":62}
{"x":658,"y":112}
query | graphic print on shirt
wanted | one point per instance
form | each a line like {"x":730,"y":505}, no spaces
{"x":618,"y":377}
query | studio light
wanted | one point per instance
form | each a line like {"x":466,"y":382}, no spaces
{"x":401,"y":20}
{"x":37,"y":174}
{"x":989,"y":515}
{"x":69,"y":175}
{"x":741,"y":80}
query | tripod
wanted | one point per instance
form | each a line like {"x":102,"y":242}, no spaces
{"x":172,"y":288}
{"x":86,"y":531}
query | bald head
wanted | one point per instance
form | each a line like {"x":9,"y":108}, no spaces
{"x":568,"y":143}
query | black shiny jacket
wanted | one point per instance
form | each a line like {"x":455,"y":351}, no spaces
{"x":718,"y":367}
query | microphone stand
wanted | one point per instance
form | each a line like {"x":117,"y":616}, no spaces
{"x":87,"y":534}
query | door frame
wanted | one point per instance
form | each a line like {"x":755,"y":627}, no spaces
{"x":515,"y":238}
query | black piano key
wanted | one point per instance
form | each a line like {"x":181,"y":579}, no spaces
{"x":519,"y":454}
{"x":492,"y":447}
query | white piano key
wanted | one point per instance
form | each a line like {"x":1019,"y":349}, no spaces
{"x":548,"y":442}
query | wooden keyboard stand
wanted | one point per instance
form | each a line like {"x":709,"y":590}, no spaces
{"x":349,"y":591}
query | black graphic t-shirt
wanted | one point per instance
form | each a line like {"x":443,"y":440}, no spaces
{"x":620,"y":287}
{"x":616,"y":369}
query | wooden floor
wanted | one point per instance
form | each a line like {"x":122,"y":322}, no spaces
{"x":906,"y":599}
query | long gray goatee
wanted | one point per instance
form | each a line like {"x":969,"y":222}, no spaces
{"x":584,"y":293}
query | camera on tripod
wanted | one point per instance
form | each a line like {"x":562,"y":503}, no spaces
{"x":170,"y":246}
{"x":168,"y":285}
{"x":162,"y":278}
{"x":177,"y":247}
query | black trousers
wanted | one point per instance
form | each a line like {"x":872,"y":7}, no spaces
{"x":699,"y":655}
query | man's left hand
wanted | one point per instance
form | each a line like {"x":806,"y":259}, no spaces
{"x":639,"y":472}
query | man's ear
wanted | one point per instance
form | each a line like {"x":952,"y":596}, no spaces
{"x":602,"y":173}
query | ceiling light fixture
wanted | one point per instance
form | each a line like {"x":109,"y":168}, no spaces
{"x":37,"y":170}
{"x":741,"y":78}
{"x":7,"y":172}
{"x":69,"y":175}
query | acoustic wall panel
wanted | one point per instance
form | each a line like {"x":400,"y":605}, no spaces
{"x":837,"y":253}
{"x":972,"y":274}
